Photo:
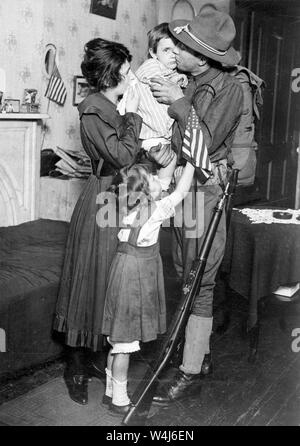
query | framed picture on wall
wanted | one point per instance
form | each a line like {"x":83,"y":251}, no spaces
{"x":105,"y":8}
{"x":81,"y":89}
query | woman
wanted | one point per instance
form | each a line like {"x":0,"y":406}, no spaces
{"x":111,"y":141}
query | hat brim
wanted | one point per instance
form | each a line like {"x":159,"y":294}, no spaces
{"x":231,"y":57}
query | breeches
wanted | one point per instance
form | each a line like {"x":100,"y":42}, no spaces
{"x":185,"y":247}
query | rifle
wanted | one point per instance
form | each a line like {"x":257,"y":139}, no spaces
{"x":223,"y":327}
{"x":229,"y":205}
{"x":143,"y":395}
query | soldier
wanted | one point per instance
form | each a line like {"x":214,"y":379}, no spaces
{"x":216,"y":98}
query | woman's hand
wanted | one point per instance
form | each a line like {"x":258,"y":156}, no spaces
{"x":132,"y":100}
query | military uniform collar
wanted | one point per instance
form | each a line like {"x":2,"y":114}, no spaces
{"x":207,"y":76}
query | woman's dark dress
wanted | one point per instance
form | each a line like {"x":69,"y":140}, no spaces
{"x":90,"y":249}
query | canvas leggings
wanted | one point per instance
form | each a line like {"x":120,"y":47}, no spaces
{"x":185,"y":247}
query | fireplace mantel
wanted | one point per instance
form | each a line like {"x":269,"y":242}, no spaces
{"x":23,"y":116}
{"x":19,"y":167}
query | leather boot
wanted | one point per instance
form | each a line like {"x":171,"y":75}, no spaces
{"x":94,"y":372}
{"x":182,"y":386}
{"x":76,"y":377}
{"x":96,"y":364}
{"x":78,"y":387}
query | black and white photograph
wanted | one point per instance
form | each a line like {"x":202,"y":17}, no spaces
{"x":81,"y":89}
{"x":11,"y":106}
{"x":150,"y":216}
{"x":105,"y":8}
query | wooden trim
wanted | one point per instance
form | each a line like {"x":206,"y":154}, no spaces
{"x":283,"y":177}
{"x":297,"y":198}
{"x":251,"y":40}
{"x":287,"y":7}
{"x":270,"y":165}
{"x":23,"y":116}
{"x":275,"y":90}
{"x":290,"y":96}
{"x":259,"y":51}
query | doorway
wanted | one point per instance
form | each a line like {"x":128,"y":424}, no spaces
{"x":268,"y":35}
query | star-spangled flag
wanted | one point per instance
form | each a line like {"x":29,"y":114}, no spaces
{"x":194,"y":148}
{"x":56,"y":90}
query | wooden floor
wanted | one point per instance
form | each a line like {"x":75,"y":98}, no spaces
{"x":264,"y":393}
{"x":239,"y":393}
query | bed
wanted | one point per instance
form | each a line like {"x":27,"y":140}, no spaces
{"x":31,"y":258}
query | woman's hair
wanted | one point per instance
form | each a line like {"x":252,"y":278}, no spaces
{"x":156,"y":34}
{"x":131,"y":186}
{"x":102,"y":62}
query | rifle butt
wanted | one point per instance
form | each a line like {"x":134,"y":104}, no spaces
{"x":138,"y":414}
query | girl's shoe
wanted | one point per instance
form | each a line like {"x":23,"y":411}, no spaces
{"x":119,"y":410}
{"x":107,"y":400}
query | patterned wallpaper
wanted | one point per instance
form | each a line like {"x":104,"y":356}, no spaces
{"x":27,"y":26}
{"x":174,"y":9}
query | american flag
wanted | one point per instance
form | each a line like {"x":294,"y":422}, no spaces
{"x":56,"y":90}
{"x":194,"y":148}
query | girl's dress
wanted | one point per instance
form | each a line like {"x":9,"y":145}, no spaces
{"x":135,"y":299}
{"x":106,"y":136}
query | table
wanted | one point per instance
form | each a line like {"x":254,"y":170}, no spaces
{"x":258,"y":259}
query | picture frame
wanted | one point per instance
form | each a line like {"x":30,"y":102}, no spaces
{"x":29,"y":104}
{"x":11,"y":106}
{"x":81,"y":89}
{"x":29,"y":96}
{"x":104,"y":8}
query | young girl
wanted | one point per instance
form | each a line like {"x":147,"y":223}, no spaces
{"x":135,"y":299}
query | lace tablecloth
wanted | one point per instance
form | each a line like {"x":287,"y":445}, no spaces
{"x":257,"y":216}
{"x":260,"y":257}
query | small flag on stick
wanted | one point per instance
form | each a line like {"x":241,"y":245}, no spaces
{"x":56,"y":90}
{"x":194,"y":148}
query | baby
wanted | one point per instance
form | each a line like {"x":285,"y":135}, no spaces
{"x":157,"y":124}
